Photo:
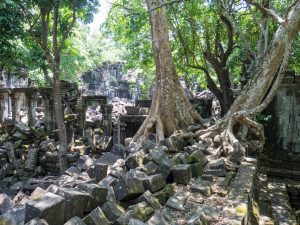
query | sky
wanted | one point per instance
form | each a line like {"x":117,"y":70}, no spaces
{"x":100,"y":17}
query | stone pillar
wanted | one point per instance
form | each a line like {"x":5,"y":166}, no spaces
{"x":2,"y":107}
{"x":70,"y":133}
{"x":48,"y":112}
{"x":8,"y":104}
{"x":81,"y":108}
{"x":31,"y":107}
{"x":15,"y":106}
{"x":123,"y":133}
{"x":107,"y":119}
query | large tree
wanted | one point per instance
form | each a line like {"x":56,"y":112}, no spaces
{"x":170,"y":109}
{"x":206,"y":41}
{"x":51,"y":23}
{"x":260,"y":90}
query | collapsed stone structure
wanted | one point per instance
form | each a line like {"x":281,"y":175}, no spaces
{"x":109,"y":80}
{"x":176,"y":181}
{"x":136,"y":185}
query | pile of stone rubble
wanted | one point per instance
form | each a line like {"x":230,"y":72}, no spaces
{"x":119,"y":108}
{"x":27,"y":152}
{"x":175,"y":182}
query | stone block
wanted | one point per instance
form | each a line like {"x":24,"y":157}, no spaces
{"x":149,"y":199}
{"x":49,"y":207}
{"x":217,"y":164}
{"x":76,"y":201}
{"x":148,"y":144}
{"x":157,"y":155}
{"x":216,"y":172}
{"x":20,"y":199}
{"x":208,"y":177}
{"x":154,"y":183}
{"x":37,"y":221}
{"x":136,"y":222}
{"x":197,"y":169}
{"x":108,"y":158}
{"x":48,"y":145}
{"x":84,"y":162}
{"x":160,"y":196}
{"x":197,"y":218}
{"x":101,"y":171}
{"x":5,"y":203}
{"x":75,"y":221}
{"x":108,"y":181}
{"x":165,"y":167}
{"x":141,"y":211}
{"x":111,"y":195}
{"x":150,"y":168}
{"x":118,"y":150}
{"x":202,"y":187}
{"x":185,"y":158}
{"x":14,"y":216}
{"x":128,"y":188}
{"x":160,"y":218}
{"x":135,"y":159}
{"x":112,"y":210}
{"x":15,"y":188}
{"x":72,"y":171}
{"x":198,"y":157}
{"x":97,"y":192}
{"x":37,"y":193}
{"x":182,"y":173}
{"x":177,"y":201}
{"x":96,"y":217}
{"x":31,"y":161}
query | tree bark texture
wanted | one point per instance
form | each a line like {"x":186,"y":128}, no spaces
{"x":60,"y":123}
{"x":259,"y":91}
{"x":170,"y":109}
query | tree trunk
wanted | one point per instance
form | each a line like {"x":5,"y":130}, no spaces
{"x":226,"y":99}
{"x":258,"y":92}
{"x":170,"y":109}
{"x":62,"y":134}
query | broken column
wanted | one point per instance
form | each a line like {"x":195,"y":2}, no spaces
{"x":15,"y":106}
{"x":48,"y":109}
{"x":107,"y":119}
{"x":70,"y":132}
{"x":31,"y":106}
{"x":81,"y":108}
{"x":2,"y":107}
{"x":121,"y":132}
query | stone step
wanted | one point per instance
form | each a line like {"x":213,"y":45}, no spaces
{"x":265,"y":208}
{"x":281,"y":173}
{"x":279,"y":164}
{"x":281,"y":208}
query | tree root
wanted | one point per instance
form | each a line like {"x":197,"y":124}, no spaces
{"x":222,"y":137}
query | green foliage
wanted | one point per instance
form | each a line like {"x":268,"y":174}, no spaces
{"x":264,"y":119}
{"x":21,"y":37}
{"x":82,"y":53}
{"x":11,"y":29}
{"x":128,"y":25}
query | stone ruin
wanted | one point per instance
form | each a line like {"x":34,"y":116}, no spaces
{"x":109,"y":80}
{"x":176,"y":181}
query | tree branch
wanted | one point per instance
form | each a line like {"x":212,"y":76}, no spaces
{"x":165,"y":4}
{"x":266,"y":11}
{"x":69,"y":28}
{"x":210,"y":82}
{"x":289,"y":9}
{"x":229,"y":29}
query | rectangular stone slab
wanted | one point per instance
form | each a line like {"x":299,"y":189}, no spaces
{"x":49,"y":207}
